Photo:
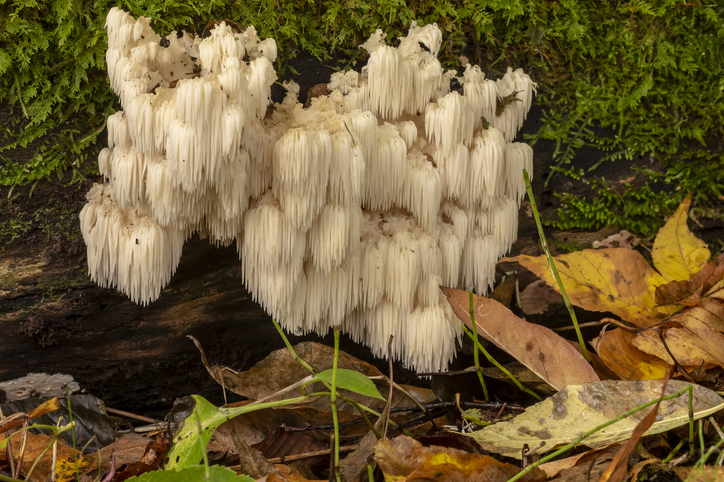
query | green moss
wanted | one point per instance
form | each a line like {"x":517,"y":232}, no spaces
{"x":14,"y":223}
{"x":649,"y":73}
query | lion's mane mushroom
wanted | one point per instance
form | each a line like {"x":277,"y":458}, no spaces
{"x":350,"y":213}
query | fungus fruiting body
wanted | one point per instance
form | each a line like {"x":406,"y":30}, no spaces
{"x":350,"y":213}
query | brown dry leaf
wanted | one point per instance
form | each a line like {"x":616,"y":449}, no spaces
{"x":537,"y":297}
{"x":709,"y":312}
{"x":616,"y":279}
{"x":279,"y":370}
{"x":603,"y":372}
{"x":34,"y":446}
{"x":622,"y":239}
{"x":280,"y":444}
{"x":292,"y":474}
{"x":354,"y":465}
{"x":127,"y":450}
{"x":618,"y":469}
{"x":522,"y":373}
{"x":503,"y":293}
{"x":587,"y":466}
{"x":677,"y":253}
{"x":628,"y":362}
{"x":272,"y":478}
{"x":700,"y":474}
{"x":547,"y":354}
{"x":405,"y":459}
{"x":257,"y":425}
{"x":689,"y":349}
{"x":16,"y":419}
{"x":689,"y":292}
{"x":251,"y":460}
{"x":152,"y":459}
{"x":584,"y":458}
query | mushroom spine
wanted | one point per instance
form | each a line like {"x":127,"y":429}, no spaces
{"x":349,"y":213}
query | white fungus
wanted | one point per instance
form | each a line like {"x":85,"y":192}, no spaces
{"x":349,"y":213}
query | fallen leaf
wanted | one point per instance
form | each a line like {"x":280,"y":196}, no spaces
{"x":678,"y":254}
{"x":192,"y":438}
{"x":587,"y":466}
{"x":689,"y":292}
{"x":708,"y":312}
{"x":127,"y":450}
{"x":618,"y":469}
{"x":257,"y":426}
{"x":615,"y":279}
{"x":16,"y":419}
{"x":503,"y":293}
{"x":291,"y":474}
{"x":689,"y":348}
{"x":405,"y":459}
{"x":557,"y":466}
{"x":280,"y":444}
{"x":537,"y":297}
{"x":151,"y":460}
{"x":522,"y":373}
{"x":279,"y":370}
{"x":252,"y":462}
{"x":628,"y":362}
{"x":636,"y":469}
{"x":622,"y":239}
{"x":34,"y":446}
{"x":354,"y":465}
{"x":547,"y":354}
{"x":700,"y":474}
{"x":603,"y":372}
{"x":577,"y":409}
{"x":453,"y":440}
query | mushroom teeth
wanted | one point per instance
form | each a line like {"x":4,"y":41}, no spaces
{"x":350,"y":212}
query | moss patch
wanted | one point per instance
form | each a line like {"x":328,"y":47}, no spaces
{"x":628,"y":78}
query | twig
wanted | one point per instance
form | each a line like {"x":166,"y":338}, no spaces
{"x":22,"y":447}
{"x":132,"y":415}
{"x":306,"y":455}
{"x":552,"y":264}
{"x":405,"y":392}
{"x":678,"y":365}
{"x":581,"y":325}
{"x":283,"y":390}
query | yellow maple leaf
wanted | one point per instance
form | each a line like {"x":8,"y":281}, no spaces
{"x":618,"y":280}
{"x":677,"y":253}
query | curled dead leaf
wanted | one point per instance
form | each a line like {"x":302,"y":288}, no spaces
{"x":405,"y":459}
{"x":688,"y":292}
{"x":616,"y":349}
{"x":544,"y":352}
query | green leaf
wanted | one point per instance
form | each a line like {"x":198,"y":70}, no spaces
{"x":349,"y":380}
{"x":187,"y":450}
{"x":192,"y":474}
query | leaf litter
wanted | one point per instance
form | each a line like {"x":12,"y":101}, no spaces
{"x":670,"y":320}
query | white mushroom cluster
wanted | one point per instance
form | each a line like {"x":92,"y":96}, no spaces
{"x":350,"y":213}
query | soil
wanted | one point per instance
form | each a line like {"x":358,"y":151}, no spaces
{"x":54,"y":319}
